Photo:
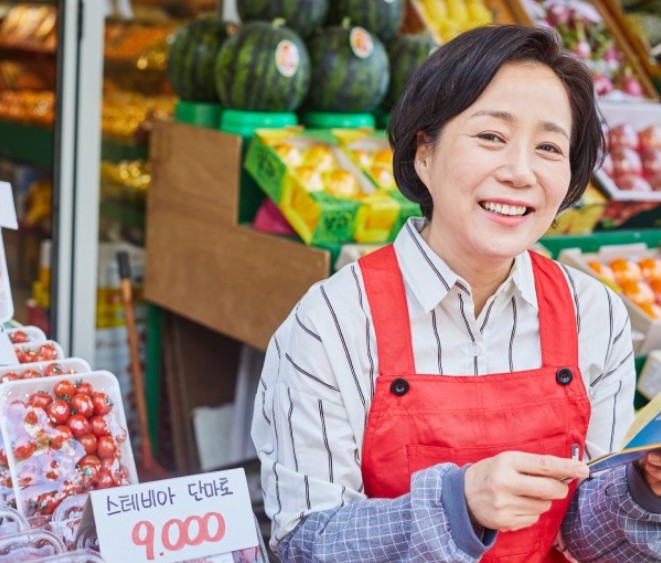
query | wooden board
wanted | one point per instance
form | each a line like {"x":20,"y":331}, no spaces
{"x":200,"y":263}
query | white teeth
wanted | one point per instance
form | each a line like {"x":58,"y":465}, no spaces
{"x":513,"y":210}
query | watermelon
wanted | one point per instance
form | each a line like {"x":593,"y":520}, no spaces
{"x":380,"y":17}
{"x":263,"y":67}
{"x":192,"y":54}
{"x":350,"y":70}
{"x":303,"y":16}
{"x":405,"y":54}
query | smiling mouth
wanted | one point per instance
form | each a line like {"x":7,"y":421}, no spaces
{"x":506,"y":210}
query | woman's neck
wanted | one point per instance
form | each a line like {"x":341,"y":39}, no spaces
{"x":483,"y":276}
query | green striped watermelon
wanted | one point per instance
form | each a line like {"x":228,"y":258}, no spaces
{"x":192,"y":54}
{"x":350,"y":70}
{"x":303,"y":16}
{"x":405,"y":53}
{"x":263,"y":67}
{"x":381,"y":17}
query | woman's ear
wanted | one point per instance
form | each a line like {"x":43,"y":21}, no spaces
{"x":422,"y":157}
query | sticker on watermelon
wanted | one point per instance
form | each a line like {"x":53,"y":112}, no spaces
{"x":287,"y":58}
{"x":361,"y":42}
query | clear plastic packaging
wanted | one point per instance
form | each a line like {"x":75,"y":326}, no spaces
{"x":30,"y":352}
{"x":29,"y":545}
{"x":65,"y":436}
{"x":66,"y":519}
{"x":28,"y":333}
{"x":11,"y":522}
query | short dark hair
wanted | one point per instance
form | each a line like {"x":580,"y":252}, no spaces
{"x":455,"y":75}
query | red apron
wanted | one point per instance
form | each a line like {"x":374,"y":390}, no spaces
{"x":419,"y":420}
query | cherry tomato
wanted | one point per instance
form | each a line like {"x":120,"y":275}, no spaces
{"x":99,"y":426}
{"x":89,"y":466}
{"x":84,"y":388}
{"x":46,"y":503}
{"x":58,"y":411}
{"x":10,"y":376}
{"x":47,"y":352}
{"x":106,"y":447}
{"x":105,"y":479}
{"x":25,"y":356}
{"x":79,"y":425}
{"x":18,"y":337}
{"x":83,"y":405}
{"x":102,"y":404}
{"x":30,"y":374}
{"x":55,"y":369}
{"x":89,"y":442}
{"x":31,"y":418}
{"x":63,"y":435}
{"x":23,"y":448}
{"x":40,"y":399}
{"x":3,"y":458}
{"x":64,"y":390}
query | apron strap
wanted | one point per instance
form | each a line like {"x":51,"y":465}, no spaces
{"x":557,"y":324}
{"x":384,"y":286}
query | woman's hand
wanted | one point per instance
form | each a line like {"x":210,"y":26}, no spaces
{"x":651,"y":466}
{"x":511,"y":490}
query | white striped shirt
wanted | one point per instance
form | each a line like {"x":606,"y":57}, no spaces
{"x":319,"y":376}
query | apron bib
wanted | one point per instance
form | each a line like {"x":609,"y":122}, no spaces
{"x":419,"y":420}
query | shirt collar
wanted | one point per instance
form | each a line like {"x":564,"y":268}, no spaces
{"x":431,"y":279}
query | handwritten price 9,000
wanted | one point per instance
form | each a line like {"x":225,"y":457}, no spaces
{"x":177,"y":534}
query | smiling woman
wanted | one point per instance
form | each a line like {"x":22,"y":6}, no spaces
{"x":437,"y":399}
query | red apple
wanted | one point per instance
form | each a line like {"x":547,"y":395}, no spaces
{"x":624,"y":135}
{"x":650,"y":138}
{"x":632,"y":183}
{"x":651,"y":162}
{"x":626,"y":161}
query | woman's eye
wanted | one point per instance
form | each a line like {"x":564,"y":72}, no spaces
{"x":492,"y":137}
{"x":550,"y":148}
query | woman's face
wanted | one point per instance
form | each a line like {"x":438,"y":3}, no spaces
{"x":500,"y":170}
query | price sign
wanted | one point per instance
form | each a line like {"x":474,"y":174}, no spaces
{"x":175,"y":519}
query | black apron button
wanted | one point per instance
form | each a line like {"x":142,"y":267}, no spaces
{"x":399,"y":386}
{"x":564,"y":376}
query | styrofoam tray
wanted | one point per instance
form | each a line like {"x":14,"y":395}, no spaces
{"x":69,"y":454}
{"x":35,"y":346}
{"x":33,"y":333}
{"x":69,"y":365}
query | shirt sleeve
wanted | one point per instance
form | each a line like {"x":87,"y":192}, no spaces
{"x":311,"y":472}
{"x":613,"y":516}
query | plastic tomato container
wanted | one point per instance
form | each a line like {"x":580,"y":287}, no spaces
{"x":11,"y":522}
{"x":29,"y":545}
{"x":35,"y":370}
{"x":30,"y":352}
{"x":23,"y":334}
{"x":54,"y":453}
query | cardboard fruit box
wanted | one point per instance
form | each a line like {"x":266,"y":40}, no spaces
{"x":318,"y":187}
{"x":645,"y":320}
{"x":371,"y":152}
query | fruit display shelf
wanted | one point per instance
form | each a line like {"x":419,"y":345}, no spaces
{"x":589,"y":30}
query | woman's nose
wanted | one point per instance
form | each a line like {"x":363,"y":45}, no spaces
{"x":517,"y":169}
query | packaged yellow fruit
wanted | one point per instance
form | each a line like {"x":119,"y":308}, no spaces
{"x":479,"y":14}
{"x":383,"y":157}
{"x":364,"y":158}
{"x":457,"y":10}
{"x":289,"y":154}
{"x":310,"y":178}
{"x":341,"y":183}
{"x":383,"y":176}
{"x":320,"y":157}
{"x":436,"y":10}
